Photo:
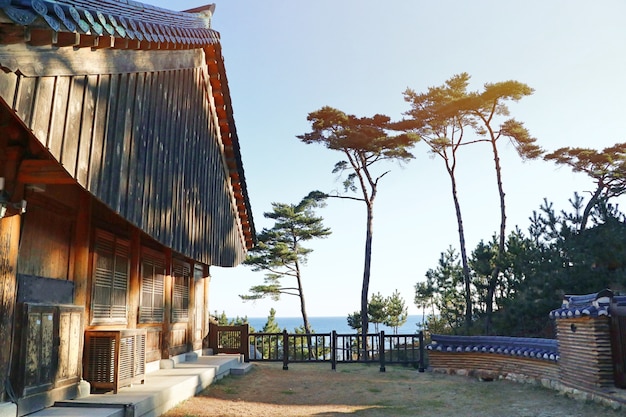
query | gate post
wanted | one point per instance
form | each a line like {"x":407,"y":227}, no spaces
{"x":211,"y":338}
{"x":333,"y":350}
{"x":285,"y":350}
{"x":421,"y":362}
{"x":381,"y":350}
{"x":618,"y":339}
{"x":245,"y":342}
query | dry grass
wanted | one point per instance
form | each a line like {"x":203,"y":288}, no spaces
{"x":361,"y":390}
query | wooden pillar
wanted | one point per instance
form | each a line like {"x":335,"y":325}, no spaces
{"x":9,"y":243}
{"x":207,"y":311}
{"x":10,"y":229}
{"x":167,"y":306}
{"x":191,"y":308}
{"x":134,"y":286}
{"x":82,"y":241}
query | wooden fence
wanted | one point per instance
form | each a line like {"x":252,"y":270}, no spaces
{"x":333,"y":348}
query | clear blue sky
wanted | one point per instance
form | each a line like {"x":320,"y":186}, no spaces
{"x":286,"y":58}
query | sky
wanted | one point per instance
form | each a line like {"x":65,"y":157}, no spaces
{"x":287,"y":58}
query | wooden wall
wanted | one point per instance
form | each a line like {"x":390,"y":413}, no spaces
{"x":499,"y":365}
{"x":46,"y":239}
{"x":143,"y":143}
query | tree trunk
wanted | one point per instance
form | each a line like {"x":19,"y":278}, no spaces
{"x":467,"y":281}
{"x":305,"y":317}
{"x":592,"y":202}
{"x":493,"y":280}
{"x":366,"y":276}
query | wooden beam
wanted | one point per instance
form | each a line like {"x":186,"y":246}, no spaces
{"x":12,"y":34}
{"x":105,"y":42}
{"x":65,"y":39}
{"x":42,"y":171}
{"x":41,"y":37}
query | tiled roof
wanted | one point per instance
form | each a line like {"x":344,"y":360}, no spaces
{"x":590,"y":305}
{"x":125,"y":19}
{"x":545,"y":349}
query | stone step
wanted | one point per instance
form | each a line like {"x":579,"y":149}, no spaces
{"x":241,"y":369}
{"x":162,"y":390}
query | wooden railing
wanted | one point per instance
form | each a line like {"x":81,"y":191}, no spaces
{"x":229,"y":339}
{"x":319,"y":347}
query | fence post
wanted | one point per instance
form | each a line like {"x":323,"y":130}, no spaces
{"x":421,"y":363}
{"x":285,"y":350}
{"x":212,"y":337}
{"x":245,"y":342}
{"x":333,"y":350}
{"x":381,"y":350}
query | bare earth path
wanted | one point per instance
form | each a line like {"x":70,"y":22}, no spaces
{"x":361,"y":390}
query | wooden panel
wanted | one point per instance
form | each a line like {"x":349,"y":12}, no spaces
{"x":106,"y":172}
{"x":70,"y":345}
{"x":42,"y":110}
{"x":39,"y":349}
{"x":8,"y":87}
{"x":73,"y":121}
{"x":99,"y":131}
{"x":46,"y":242}
{"x":25,"y":97}
{"x":125,"y":132}
{"x":47,"y":61}
{"x":153,"y":344}
{"x":115,"y":138}
{"x":41,"y":171}
{"x":178,"y":339}
{"x":148,"y":144}
{"x":59,"y":109}
{"x":86,"y":130}
{"x":136,"y":173}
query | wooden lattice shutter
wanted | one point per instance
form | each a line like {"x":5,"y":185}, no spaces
{"x":152,"y":287}
{"x":180,"y":291}
{"x":110,"y":278}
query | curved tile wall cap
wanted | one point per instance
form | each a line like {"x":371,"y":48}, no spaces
{"x":60,"y":14}
{"x":118,"y":28}
{"x":106,"y":25}
{"x":75,"y":15}
{"x":20,"y":16}
{"x":130,"y":34}
{"x":125,"y":19}
{"x":587,"y":305}
{"x":41,"y":9}
{"x":96,"y":27}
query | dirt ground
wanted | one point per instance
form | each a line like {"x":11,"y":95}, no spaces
{"x":361,"y":390}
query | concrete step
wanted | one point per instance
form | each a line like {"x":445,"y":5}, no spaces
{"x":241,"y":369}
{"x":78,"y":411}
{"x":162,"y":390}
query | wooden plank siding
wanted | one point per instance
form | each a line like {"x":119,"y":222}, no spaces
{"x":585,"y":349}
{"x":147,"y":145}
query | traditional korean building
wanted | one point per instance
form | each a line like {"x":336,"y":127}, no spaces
{"x":121,"y":184}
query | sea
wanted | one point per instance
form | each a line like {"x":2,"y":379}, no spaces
{"x":339,"y":324}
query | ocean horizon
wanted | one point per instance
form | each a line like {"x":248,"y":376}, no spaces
{"x":338,"y":323}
